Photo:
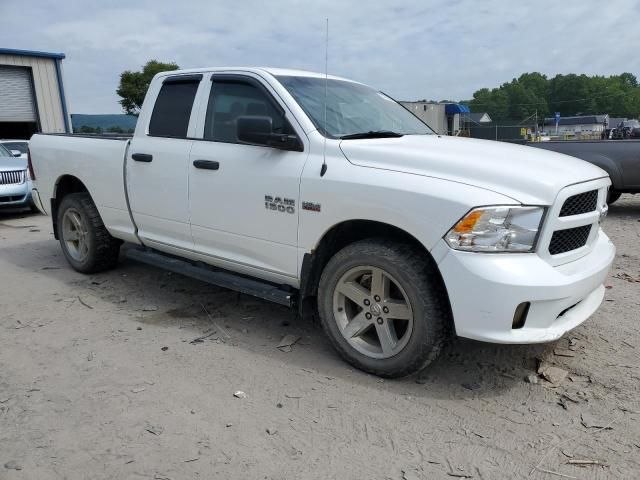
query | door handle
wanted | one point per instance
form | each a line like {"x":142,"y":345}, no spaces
{"x":142,"y":157}
{"x":206,"y":164}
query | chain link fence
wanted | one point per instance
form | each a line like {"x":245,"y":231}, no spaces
{"x":518,"y":133}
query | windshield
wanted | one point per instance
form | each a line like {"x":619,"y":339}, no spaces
{"x":352,"y":108}
{"x":4,"y":152}
{"x":20,"y":146}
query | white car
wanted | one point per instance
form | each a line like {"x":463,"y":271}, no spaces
{"x":15,"y":183}
{"x":326,"y":194}
{"x":18,"y":148}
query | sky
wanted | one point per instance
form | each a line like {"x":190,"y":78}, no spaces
{"x":409,"y":49}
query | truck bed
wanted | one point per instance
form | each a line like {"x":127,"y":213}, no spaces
{"x":101,"y":136}
{"x":98,"y":161}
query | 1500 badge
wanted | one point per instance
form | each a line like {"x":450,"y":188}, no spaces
{"x":279,"y":204}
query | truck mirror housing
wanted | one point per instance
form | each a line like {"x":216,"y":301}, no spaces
{"x":258,"y":130}
{"x":254,"y":129}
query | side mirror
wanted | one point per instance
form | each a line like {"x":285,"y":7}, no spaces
{"x":258,"y":130}
{"x":16,"y":153}
{"x":254,"y":129}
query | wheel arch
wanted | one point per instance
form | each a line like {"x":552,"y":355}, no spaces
{"x":65,"y":185}
{"x":335,"y":239}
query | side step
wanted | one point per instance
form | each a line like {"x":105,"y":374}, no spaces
{"x":221,"y":278}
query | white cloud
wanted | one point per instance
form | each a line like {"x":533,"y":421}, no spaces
{"x":429,"y":49}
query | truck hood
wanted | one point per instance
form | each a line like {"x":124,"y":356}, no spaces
{"x":12,"y":163}
{"x":528,"y":175}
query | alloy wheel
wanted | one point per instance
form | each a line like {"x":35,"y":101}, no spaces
{"x":373,"y":312}
{"x":75,"y":234}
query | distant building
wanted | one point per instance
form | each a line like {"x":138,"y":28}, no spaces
{"x":443,"y":118}
{"x":475,"y":118}
{"x":582,"y":125}
{"x":32,"y":95}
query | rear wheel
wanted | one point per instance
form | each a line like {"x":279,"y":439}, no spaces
{"x":384,"y":307}
{"x":85,"y":241}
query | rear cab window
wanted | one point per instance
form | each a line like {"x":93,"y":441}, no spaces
{"x":172,"y":110}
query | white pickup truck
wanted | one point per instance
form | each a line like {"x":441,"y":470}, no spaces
{"x":325,"y":194}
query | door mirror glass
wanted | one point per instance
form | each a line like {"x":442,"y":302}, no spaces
{"x":16,"y":153}
{"x":258,"y":130}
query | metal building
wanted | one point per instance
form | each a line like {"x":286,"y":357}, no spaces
{"x":443,"y":118}
{"x":32,"y":95}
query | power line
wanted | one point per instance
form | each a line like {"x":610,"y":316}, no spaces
{"x":557,"y":101}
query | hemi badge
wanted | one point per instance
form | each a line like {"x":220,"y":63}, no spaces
{"x":313,"y":207}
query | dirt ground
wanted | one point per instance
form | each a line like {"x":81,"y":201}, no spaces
{"x":100,"y":378}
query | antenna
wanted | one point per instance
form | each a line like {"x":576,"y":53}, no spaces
{"x":323,"y":169}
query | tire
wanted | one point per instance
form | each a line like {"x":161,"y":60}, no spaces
{"x":416,"y":291}
{"x":613,"y":196}
{"x":91,"y":248}
{"x":33,"y":208}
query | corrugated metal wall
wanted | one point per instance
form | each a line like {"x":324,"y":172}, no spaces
{"x":45,"y":82}
{"x":433,"y":114}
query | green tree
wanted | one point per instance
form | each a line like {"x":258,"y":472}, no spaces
{"x":495,"y":102}
{"x":523,"y":102}
{"x":572,"y":95}
{"x":616,"y":95}
{"x":134,"y":85}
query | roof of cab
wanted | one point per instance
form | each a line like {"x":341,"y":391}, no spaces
{"x":272,"y":71}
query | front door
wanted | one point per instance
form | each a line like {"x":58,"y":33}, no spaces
{"x":244,"y":199}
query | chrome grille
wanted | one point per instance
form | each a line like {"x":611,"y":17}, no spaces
{"x":15,"y":177}
{"x":570,"y":239}
{"x":581,"y":203}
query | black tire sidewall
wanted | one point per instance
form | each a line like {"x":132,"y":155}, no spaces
{"x":77,"y":201}
{"x":429,"y":324}
{"x":613,"y":197}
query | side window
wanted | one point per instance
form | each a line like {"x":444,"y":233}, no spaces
{"x":170,"y":117}
{"x":232,"y":99}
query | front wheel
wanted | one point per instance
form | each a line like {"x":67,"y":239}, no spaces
{"x":85,"y":241}
{"x":384,"y":307}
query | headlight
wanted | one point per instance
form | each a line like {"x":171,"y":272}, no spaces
{"x":497,"y":229}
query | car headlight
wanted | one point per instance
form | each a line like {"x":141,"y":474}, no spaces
{"x":497,"y":229}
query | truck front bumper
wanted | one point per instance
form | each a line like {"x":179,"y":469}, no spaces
{"x":486,"y":289}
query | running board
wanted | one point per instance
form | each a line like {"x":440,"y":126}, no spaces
{"x":221,"y":278}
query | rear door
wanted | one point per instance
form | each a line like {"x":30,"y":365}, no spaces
{"x":244,"y":199}
{"x":158,"y":166}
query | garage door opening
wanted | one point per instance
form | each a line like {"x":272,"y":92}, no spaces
{"x":18,"y":130}
{"x":18,"y":115}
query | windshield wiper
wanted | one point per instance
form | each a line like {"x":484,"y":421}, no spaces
{"x":372,"y":134}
